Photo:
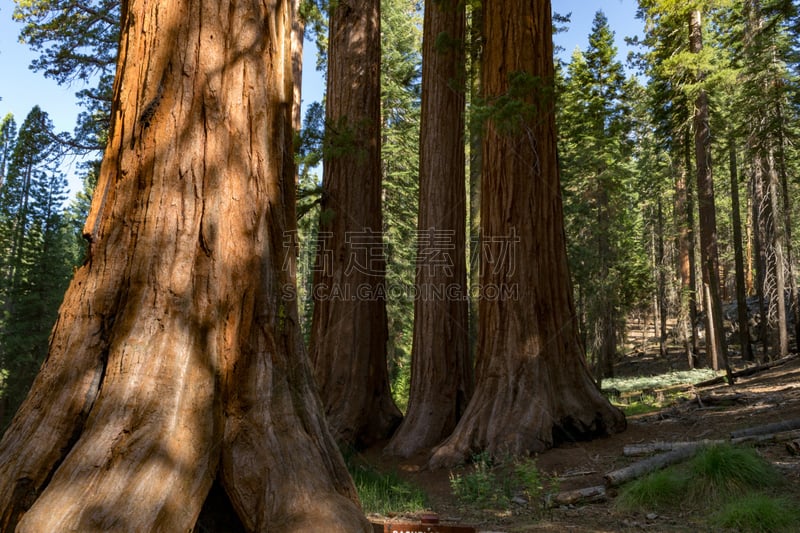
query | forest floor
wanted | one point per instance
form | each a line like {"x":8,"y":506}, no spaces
{"x":766,"y":397}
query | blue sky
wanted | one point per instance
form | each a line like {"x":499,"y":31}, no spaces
{"x":621,"y":16}
{"x":21,"y":88}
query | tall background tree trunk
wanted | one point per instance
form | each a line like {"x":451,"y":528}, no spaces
{"x":349,"y":328}
{"x":787,"y":224}
{"x":662,"y":283}
{"x":176,"y":360}
{"x":760,"y":245}
{"x":777,"y":236}
{"x":715,"y":340}
{"x":533,"y":386}
{"x":741,"y":290}
{"x":684,"y":216}
{"x":441,"y":367}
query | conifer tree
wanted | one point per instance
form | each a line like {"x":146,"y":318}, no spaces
{"x":675,"y":30}
{"x":349,"y":326}
{"x":76,"y":42}
{"x":36,"y":264}
{"x":441,"y":373}
{"x":400,"y":117}
{"x":8,"y":136}
{"x":596,"y":159}
{"x":765,"y":83}
{"x":176,"y":363}
{"x":533,"y":387}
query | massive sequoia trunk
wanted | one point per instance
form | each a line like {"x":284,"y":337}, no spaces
{"x":441,"y":367}
{"x":175,"y":360}
{"x":349,"y":330}
{"x":533,"y":386}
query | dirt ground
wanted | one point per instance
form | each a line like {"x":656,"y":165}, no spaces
{"x":766,"y":397}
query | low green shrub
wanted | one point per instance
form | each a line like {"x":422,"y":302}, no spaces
{"x":480,"y":485}
{"x":487,"y":483}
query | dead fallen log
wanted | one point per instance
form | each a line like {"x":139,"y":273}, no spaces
{"x":571,"y":497}
{"x":777,"y":427}
{"x":718,"y":399}
{"x":638,"y":450}
{"x":781,"y":436}
{"x":645,"y":466}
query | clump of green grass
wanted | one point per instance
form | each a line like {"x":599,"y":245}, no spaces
{"x":758,"y":513}
{"x":488,"y":483}
{"x":658,"y":490}
{"x":384,"y":493}
{"x":724,"y":470}
{"x":733,"y":478}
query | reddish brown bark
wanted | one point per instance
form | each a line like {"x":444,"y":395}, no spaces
{"x":441,"y":368}
{"x":709,"y":256}
{"x":685,"y":230}
{"x":533,"y":386}
{"x":298,"y":34}
{"x":175,"y":360}
{"x":349,"y":330}
{"x":736,"y":221}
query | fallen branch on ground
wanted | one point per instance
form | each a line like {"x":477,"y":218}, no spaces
{"x":746,"y":372}
{"x":637,"y":450}
{"x":717,"y":399}
{"x":781,"y":436}
{"x":645,"y":466}
{"x":777,"y":427}
{"x":570,"y":497}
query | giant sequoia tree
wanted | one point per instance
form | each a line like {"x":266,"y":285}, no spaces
{"x":349,"y":331}
{"x":441,"y":372}
{"x":533,"y":387}
{"x":175,"y":362}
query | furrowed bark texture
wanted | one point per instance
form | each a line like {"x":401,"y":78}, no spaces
{"x":349,"y":329}
{"x":175,"y":361}
{"x":533,"y":387}
{"x":441,"y":367}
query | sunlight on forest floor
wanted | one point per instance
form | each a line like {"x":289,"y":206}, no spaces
{"x":661,"y":381}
